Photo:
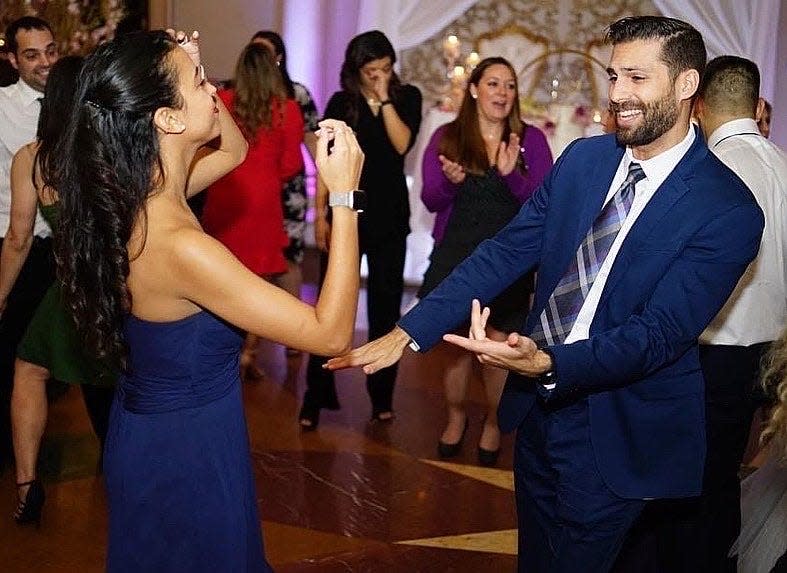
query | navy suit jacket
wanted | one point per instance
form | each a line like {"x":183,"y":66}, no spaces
{"x":639,"y":369}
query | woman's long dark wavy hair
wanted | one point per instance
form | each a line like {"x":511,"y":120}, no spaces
{"x":109,"y":164}
{"x":361,"y":50}
{"x":462,"y":141}
{"x":281,"y":52}
{"x":259,"y":91}
{"x":56,"y":105}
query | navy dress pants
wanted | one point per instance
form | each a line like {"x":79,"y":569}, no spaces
{"x":569,"y":520}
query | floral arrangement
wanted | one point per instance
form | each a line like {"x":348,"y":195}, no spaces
{"x":79,"y":25}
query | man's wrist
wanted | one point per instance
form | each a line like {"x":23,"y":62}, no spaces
{"x":403,"y":339}
{"x":546,"y":367}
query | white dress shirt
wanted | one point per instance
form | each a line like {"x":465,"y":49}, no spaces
{"x":656,"y":169}
{"x":19,"y":110}
{"x":757,"y":309}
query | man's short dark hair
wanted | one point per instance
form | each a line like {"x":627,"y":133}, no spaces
{"x":23,"y":23}
{"x":682,"y":46}
{"x":731,"y":84}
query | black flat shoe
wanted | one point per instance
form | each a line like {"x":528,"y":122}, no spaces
{"x":487,"y":458}
{"x":28,"y":510}
{"x":451,"y":450}
{"x":309,"y":418}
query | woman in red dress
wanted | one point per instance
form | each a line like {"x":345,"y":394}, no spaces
{"x":243,"y":209}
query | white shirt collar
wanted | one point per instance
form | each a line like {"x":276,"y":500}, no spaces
{"x":658,"y":168}
{"x":27,"y":95}
{"x":741,"y":126}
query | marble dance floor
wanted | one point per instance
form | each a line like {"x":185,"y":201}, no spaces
{"x":350,"y":497}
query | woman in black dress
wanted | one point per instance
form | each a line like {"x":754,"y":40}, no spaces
{"x":386,"y":116}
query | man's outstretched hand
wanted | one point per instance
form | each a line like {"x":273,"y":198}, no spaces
{"x":373,"y":355}
{"x":518,"y":353}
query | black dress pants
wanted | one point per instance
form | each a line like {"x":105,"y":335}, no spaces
{"x":36,"y":275}
{"x":694,"y":535}
{"x":384,"y":288}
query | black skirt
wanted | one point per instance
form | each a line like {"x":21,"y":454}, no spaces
{"x":482,"y":207}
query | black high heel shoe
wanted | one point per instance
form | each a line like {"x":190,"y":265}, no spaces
{"x":487,"y":458}
{"x":308,"y":418}
{"x":28,"y":510}
{"x":450,"y":450}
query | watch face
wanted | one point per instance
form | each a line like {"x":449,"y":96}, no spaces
{"x":359,"y":201}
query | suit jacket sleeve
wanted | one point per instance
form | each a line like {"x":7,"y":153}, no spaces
{"x":684,"y":301}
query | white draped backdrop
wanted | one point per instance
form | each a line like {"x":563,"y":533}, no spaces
{"x":732,"y":27}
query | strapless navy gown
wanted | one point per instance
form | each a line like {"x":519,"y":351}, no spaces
{"x":177,"y":462}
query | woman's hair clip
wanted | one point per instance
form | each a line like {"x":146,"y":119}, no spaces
{"x":93,"y":105}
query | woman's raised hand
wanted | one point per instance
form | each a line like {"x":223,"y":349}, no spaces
{"x":508,"y":154}
{"x":189,"y":44}
{"x":339,"y":168}
{"x":454,"y":172}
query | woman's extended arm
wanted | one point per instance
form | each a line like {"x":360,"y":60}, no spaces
{"x":207,"y":274}
{"x":19,"y":237}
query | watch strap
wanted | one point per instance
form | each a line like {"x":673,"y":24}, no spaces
{"x":548,"y":378}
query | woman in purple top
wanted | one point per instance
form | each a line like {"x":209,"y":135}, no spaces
{"x":477,"y":172}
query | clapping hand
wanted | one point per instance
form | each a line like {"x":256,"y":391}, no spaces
{"x":189,"y":44}
{"x":508,"y":154}
{"x":454,"y":172}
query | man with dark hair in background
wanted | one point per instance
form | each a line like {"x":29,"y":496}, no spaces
{"x":31,"y":51}
{"x":754,"y":316}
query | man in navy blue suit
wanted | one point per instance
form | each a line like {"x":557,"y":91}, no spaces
{"x":632,"y":237}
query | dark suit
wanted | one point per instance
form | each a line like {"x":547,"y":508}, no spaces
{"x":626,"y":419}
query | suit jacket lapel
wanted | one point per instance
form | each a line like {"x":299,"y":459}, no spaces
{"x":673,"y":188}
{"x":586,"y":205}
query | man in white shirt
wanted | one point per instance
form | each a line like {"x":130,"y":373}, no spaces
{"x":732,"y":346}
{"x":32,"y":51}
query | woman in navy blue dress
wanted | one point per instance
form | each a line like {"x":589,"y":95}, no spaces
{"x":151,"y":290}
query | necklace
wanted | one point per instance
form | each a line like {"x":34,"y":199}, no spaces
{"x":373,"y":102}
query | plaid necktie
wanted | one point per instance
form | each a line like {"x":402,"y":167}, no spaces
{"x":563,"y":306}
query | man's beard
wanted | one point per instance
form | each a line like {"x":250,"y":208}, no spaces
{"x":658,"y":117}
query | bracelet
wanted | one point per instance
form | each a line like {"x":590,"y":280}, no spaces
{"x":386,"y":102}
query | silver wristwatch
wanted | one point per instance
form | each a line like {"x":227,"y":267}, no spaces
{"x":355,"y":200}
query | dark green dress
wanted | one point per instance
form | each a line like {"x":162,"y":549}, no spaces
{"x":51,"y":339}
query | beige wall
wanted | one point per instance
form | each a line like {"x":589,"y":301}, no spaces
{"x":779,"y":116}
{"x":225,"y":26}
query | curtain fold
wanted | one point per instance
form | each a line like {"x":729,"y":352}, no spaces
{"x":407,"y":23}
{"x":732,"y":27}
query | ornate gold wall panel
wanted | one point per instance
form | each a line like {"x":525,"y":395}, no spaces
{"x":571,"y":28}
